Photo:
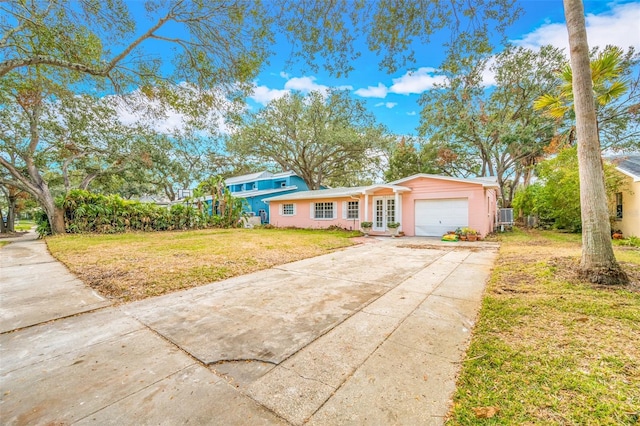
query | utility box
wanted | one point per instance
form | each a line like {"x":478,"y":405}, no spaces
{"x":505,"y":218}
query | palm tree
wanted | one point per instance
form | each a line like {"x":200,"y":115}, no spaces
{"x":591,"y":82}
{"x":608,"y":85}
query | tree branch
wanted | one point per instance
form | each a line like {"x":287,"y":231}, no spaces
{"x":11,"y":64}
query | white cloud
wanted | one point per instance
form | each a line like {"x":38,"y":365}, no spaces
{"x":416,"y":82}
{"x":284,"y":74}
{"x":386,"y":104}
{"x":308,"y":84}
{"x":412,"y":113}
{"x":305,"y":84}
{"x":619,"y":27}
{"x":263,"y":95}
{"x":345,"y":87}
{"x":488,"y":74}
{"x":136,"y":108}
{"x":379,"y":91}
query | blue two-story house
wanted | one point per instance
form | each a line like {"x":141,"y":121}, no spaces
{"x":255,"y":187}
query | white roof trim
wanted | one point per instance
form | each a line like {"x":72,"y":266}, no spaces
{"x":254,"y":192}
{"x":488,"y":182}
{"x":336,"y":192}
{"x":255,"y":177}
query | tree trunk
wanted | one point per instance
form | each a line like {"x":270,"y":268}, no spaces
{"x":3,"y":228}
{"x":11,"y":213}
{"x":598,"y":263}
{"x":54,"y":214}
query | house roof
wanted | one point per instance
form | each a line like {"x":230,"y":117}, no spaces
{"x":487,"y":182}
{"x":629,"y":165}
{"x":247,"y":178}
{"x":258,"y":192}
{"x":336,"y":192}
{"x":252,"y":177}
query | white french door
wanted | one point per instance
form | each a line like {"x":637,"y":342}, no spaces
{"x":384,"y":211}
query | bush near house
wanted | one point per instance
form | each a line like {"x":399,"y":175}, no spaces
{"x":88,"y":212}
{"x":555,"y":197}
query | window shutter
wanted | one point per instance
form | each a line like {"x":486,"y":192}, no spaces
{"x":344,"y":209}
{"x":312,"y":209}
{"x":294,"y":209}
{"x":335,"y":210}
{"x":280,"y":207}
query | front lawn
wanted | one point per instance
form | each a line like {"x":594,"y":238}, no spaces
{"x":134,"y":266}
{"x":549,"y":349}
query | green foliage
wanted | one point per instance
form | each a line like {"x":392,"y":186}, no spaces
{"x":88,"y":212}
{"x":407,"y":159}
{"x":631,"y":241}
{"x":616,"y":95}
{"x":324,"y":139}
{"x":228,"y":209}
{"x":555,"y":198}
{"x":496,"y":132}
{"x":42,"y":223}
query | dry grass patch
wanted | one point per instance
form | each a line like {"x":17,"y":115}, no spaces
{"x":549,"y":348}
{"x":133,"y":266}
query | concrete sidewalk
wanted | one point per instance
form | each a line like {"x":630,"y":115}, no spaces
{"x":373,"y":334}
{"x":37,"y":288}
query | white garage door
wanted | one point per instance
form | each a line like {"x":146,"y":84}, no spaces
{"x":436,"y":217}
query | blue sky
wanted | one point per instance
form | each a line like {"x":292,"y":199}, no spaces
{"x":394,"y":98}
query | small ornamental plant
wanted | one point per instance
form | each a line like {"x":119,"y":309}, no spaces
{"x":469,"y":231}
{"x":366,"y":225}
{"x":393,"y":225}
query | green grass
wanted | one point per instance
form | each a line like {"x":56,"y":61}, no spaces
{"x":3,"y":243}
{"x":549,"y":349}
{"x":133,"y":266}
{"x":24,"y":225}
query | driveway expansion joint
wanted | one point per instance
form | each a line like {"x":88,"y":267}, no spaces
{"x":238,"y":360}
{"x":171,"y":342}
{"x":26,"y":327}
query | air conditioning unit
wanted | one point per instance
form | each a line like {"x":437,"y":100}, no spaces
{"x":505,"y":217}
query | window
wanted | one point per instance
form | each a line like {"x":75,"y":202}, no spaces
{"x":323,"y":211}
{"x":353,"y":209}
{"x":391,"y":210}
{"x":379,"y":213}
{"x":288,"y":209}
{"x":619,"y":206}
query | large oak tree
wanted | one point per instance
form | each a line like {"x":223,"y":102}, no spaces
{"x":323,"y":138}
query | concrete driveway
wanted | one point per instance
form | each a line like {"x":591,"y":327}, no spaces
{"x":372,"y":334}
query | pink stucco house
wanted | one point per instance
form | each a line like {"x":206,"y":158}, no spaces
{"x":425,"y":205}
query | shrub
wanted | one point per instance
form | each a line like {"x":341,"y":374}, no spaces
{"x":88,"y":212}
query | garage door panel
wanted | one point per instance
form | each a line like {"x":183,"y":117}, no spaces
{"x":436,"y":217}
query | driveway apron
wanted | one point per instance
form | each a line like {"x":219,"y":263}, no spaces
{"x":372,"y":334}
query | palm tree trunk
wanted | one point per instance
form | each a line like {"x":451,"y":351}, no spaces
{"x":598,"y":262}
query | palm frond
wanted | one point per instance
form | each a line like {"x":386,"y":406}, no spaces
{"x":552,"y":105}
